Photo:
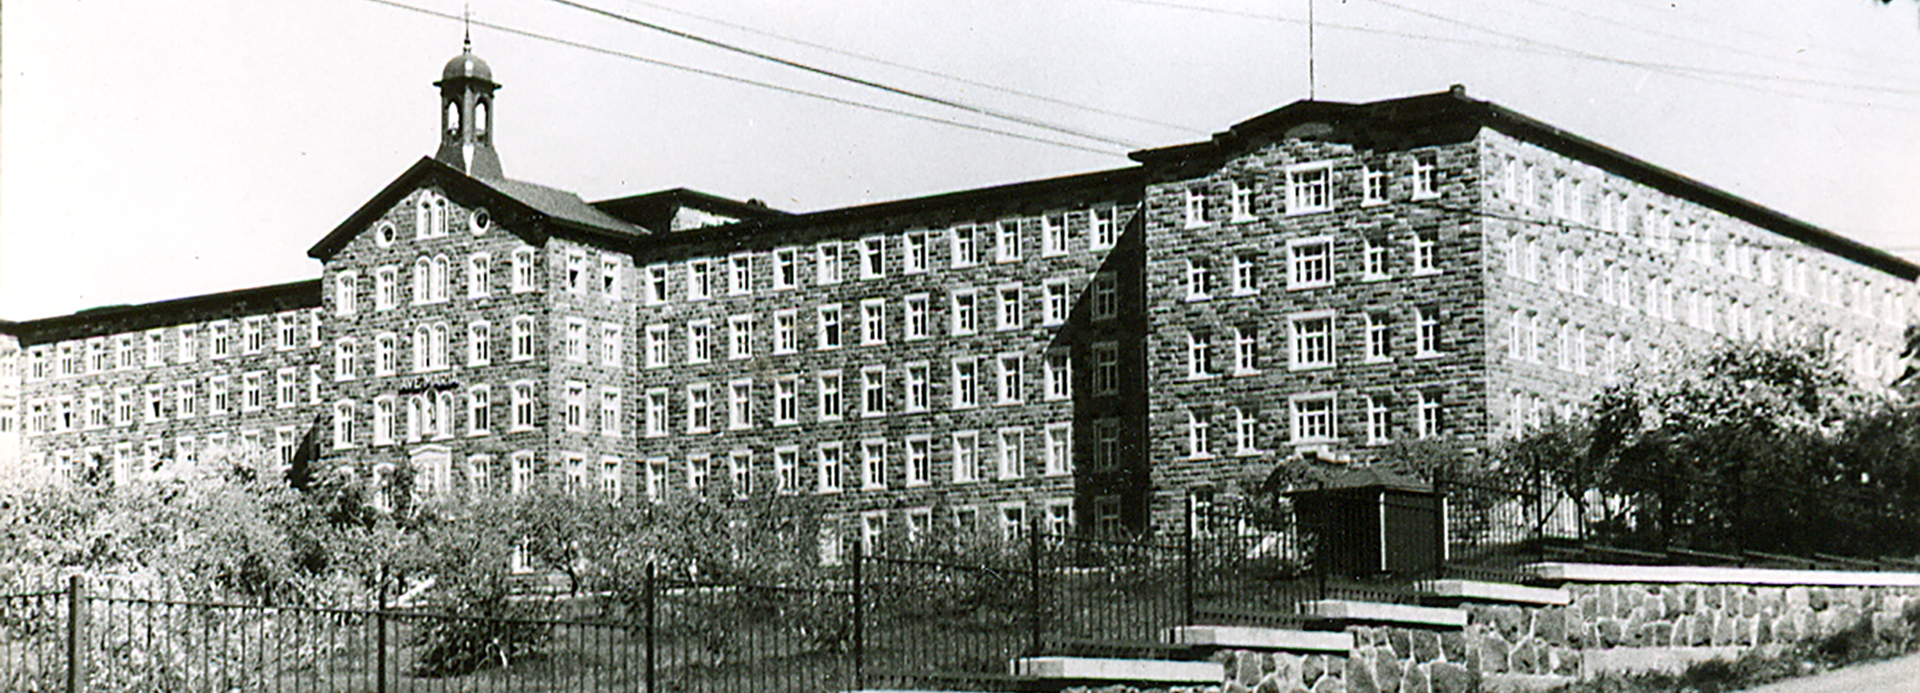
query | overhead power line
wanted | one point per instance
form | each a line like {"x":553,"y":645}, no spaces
{"x":750,"y":82}
{"x":929,"y":98}
{"x":920,"y":70}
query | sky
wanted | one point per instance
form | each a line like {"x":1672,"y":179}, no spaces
{"x":150,"y":151}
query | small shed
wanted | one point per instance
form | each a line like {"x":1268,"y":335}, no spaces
{"x":1373,"y":521}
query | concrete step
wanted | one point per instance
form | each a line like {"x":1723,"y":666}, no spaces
{"x":1250,"y":638}
{"x":1340,"y":610}
{"x":1451,"y":592}
{"x":1119,"y":670}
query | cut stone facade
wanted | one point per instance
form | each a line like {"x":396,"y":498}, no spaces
{"x":1077,"y":351}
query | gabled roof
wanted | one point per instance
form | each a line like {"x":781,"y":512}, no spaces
{"x":91,"y":322}
{"x":1452,"y":116}
{"x":515,"y":205}
{"x":655,"y":210}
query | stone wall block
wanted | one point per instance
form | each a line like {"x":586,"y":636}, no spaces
{"x":1642,"y":615}
{"x":1493,"y":653}
{"x":1525,"y":657}
{"x":1511,"y":620}
{"x":1235,"y":687}
{"x":1329,"y":684}
{"x":1550,"y":625}
{"x":1416,"y":680}
{"x":1818,"y":598}
{"x":1247,"y":670}
{"x":1655,"y":634}
{"x":1785,"y":631}
{"x":1675,"y":601}
{"x":1607,"y":603}
{"x":1359,"y":675}
{"x":1453,"y":645}
{"x":1448,"y":677}
{"x":1566,"y":662}
{"x":1888,"y":626}
{"x":1388,"y":674}
{"x":1312,"y":667}
{"x":1426,"y":646}
{"x":1286,"y":669}
{"x":1401,"y":640}
{"x":1768,"y":600}
{"x":1631,"y":597}
{"x":1746,"y":630}
{"x":1798,"y":597}
{"x":1610,"y":632}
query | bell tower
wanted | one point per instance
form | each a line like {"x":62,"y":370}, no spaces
{"x":466,"y":115}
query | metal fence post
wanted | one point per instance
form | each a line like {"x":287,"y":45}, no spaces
{"x":1186,"y":568}
{"x":650,"y":625}
{"x":380,"y":635}
{"x":859,"y":615}
{"x":1033,"y":586}
{"x":76,"y":634}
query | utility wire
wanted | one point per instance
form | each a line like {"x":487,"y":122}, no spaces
{"x":750,"y":82}
{"x":1571,"y":225}
{"x":1661,"y":6}
{"x":950,"y":103}
{"x":920,"y":70}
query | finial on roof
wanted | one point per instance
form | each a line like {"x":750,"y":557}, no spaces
{"x":466,"y":19}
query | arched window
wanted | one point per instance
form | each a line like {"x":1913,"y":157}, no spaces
{"x":481,"y":123}
{"x":439,"y":216}
{"x":453,"y":117}
{"x":422,"y":213}
{"x":437,"y":358}
{"x":422,"y":339}
{"x":437,"y":293}
{"x":443,"y":415}
{"x":422,"y":269}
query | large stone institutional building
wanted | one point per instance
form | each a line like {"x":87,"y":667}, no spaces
{"x":1083,"y":350}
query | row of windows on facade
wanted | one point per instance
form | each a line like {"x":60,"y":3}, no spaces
{"x":825,"y":263}
{"x":431,"y":282}
{"x":433,"y":217}
{"x":1305,"y":188}
{"x":224,"y":395}
{"x":1311,"y":342}
{"x":129,"y":460}
{"x":711,"y":407}
{"x":286,"y":331}
{"x":1310,"y":265}
{"x":1613,"y":281}
{"x":958,"y":457}
{"x":972,"y":311}
{"x":1532,"y":338}
{"x":1313,"y":419}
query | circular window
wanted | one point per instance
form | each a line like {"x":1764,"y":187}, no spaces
{"x":480,"y":221}
{"x":384,"y":233}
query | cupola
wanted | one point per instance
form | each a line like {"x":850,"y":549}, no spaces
{"x":466,"y":115}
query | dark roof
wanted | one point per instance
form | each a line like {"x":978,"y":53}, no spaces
{"x":654,"y":211}
{"x":516,"y":205}
{"x":1371,"y":476}
{"x":129,"y":318}
{"x":1131,"y":177}
{"x":1453,"y":116}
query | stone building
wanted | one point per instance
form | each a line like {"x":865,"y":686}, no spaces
{"x":1076,"y":351}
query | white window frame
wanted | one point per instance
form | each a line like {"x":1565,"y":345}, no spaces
{"x":1303,"y":255}
{"x":1304,"y":196}
{"x":1303,"y":418}
{"x":1297,"y":340}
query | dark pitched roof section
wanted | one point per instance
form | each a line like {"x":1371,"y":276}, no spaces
{"x":516,"y":205}
{"x":654,"y":211}
{"x":104,"y":320}
{"x":1452,"y":114}
{"x":1130,"y":178}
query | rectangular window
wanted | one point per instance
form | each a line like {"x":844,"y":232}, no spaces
{"x":873,"y":391}
{"x":1425,"y":173}
{"x":1379,"y":420}
{"x":654,"y":290}
{"x":1428,"y":414}
{"x":1009,"y":306}
{"x":917,"y":321}
{"x":345,"y":359}
{"x":346,"y":293}
{"x":187,"y":348}
{"x":287,"y":327}
{"x":1427,"y":321}
{"x":1244,"y":431}
{"x":575,"y":406}
{"x":1053,"y":234}
{"x":386,"y":288}
{"x":786,"y":268}
{"x":479,"y":410}
{"x":221,"y":338}
{"x":1239,"y":201}
{"x":1059,"y":449}
{"x":1312,"y":340}
{"x":286,"y":387}
{"x":697,"y":467}
{"x":1199,"y":433}
{"x":576,"y":270}
{"x":1009,"y":389}
{"x":966,"y":247}
{"x":700,"y":341}
{"x":1104,"y":227}
{"x":873,"y":257}
{"x":740,"y":472}
{"x":1054,"y":303}
{"x":1058,"y":372}
{"x":830,"y":472}
{"x":1199,"y":354}
{"x":575,"y":342}
{"x":1379,"y":336}
{"x":700,"y":279}
{"x":786,"y":401}
{"x":917,"y":391}
{"x":657,"y":341}
{"x":740,"y":404}
{"x":740,"y":337}
{"x":1106,"y":368}
{"x":916,"y":260}
{"x":1006,"y":244}
{"x":919,"y":462}
{"x":965,"y":311}
{"x":699,"y":408}
{"x":1194,"y":207}
{"x":1313,"y":418}
{"x":1373,"y":186}
{"x":1309,"y":263}
{"x":1424,"y":242}
{"x":873,"y":464}
{"x":523,"y":406}
{"x":831,"y":406}
{"x":830,"y":327}
{"x":873,"y":321}
{"x":479,"y":268}
{"x":966,"y":383}
{"x":739,"y":274}
{"x":656,"y":412}
{"x":828,"y":263}
{"x":479,"y":344}
{"x":1246,"y":349}
{"x":612,"y":338}
{"x":1106,"y":295}
{"x":610,"y":411}
{"x":786,"y":470}
{"x":966,"y":454}
{"x":1309,"y":188}
{"x":1246,"y":274}
{"x":1199,"y":279}
{"x":1010,"y":458}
